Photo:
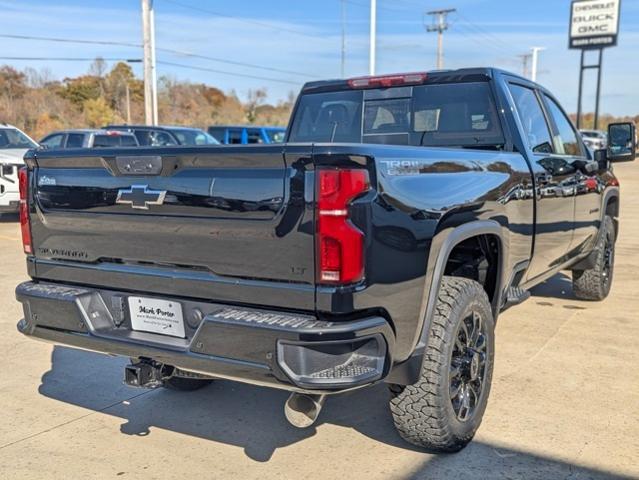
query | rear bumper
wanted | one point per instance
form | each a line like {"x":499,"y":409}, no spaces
{"x":245,"y":344}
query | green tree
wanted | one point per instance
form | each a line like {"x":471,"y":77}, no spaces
{"x":97,"y":112}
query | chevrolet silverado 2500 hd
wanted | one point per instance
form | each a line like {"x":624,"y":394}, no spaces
{"x":378,"y":244}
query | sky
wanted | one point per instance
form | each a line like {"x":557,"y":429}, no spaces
{"x":280,"y":44}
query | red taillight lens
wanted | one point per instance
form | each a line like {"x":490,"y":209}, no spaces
{"x":340,"y":243}
{"x":25,"y":226}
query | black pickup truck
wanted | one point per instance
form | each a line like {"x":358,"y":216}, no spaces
{"x":378,"y":244}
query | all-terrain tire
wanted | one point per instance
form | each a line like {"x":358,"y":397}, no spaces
{"x":423,"y":412}
{"x":595,"y":283}
{"x":184,"y":384}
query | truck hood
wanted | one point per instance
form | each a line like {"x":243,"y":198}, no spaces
{"x":13,"y":156}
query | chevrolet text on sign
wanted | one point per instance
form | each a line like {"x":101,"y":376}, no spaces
{"x":594,"y":23}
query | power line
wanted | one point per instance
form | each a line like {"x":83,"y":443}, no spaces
{"x":242,"y":19}
{"x":178,"y":65}
{"x":71,"y":40}
{"x":165,"y":50}
{"x":72,"y":59}
{"x":204,"y":69}
{"x":485,"y":33}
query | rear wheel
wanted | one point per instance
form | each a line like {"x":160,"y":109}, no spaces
{"x":443,"y":410}
{"x":595,"y":283}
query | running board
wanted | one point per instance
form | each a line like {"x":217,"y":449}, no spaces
{"x":515,"y":296}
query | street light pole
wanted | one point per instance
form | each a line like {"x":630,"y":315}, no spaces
{"x":535,"y":61}
{"x":150,"y":75}
{"x":343,"y":12}
{"x":373,"y":37}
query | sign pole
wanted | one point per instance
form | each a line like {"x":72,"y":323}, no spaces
{"x":599,"y":68}
{"x":594,"y":25}
{"x":581,"y":87}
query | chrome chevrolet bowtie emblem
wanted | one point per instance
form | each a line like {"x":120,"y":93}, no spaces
{"x":139,"y":196}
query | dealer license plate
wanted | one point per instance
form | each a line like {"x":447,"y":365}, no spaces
{"x":156,"y":316}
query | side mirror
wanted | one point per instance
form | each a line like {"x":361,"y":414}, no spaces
{"x":622,"y":141}
{"x":601,"y":157}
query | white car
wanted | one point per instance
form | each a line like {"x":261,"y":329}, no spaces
{"x":594,"y":139}
{"x":13,"y":145}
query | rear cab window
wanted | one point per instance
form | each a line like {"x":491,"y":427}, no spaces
{"x":442,"y":115}
{"x":110,"y":140}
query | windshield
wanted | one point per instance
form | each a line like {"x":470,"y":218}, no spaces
{"x":194,"y":137}
{"x":276,"y":136}
{"x":13,"y":138}
{"x":444,"y":115}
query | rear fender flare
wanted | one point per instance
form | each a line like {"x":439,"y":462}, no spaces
{"x":442,"y":245}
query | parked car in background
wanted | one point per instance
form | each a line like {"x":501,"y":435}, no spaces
{"x":162,"y":136}
{"x":244,"y":135}
{"x":89,"y":138}
{"x":13,"y":145}
{"x":594,"y":139}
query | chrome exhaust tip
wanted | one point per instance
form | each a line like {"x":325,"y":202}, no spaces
{"x":302,"y":409}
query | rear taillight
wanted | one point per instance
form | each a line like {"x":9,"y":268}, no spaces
{"x":25,"y":225}
{"x":340,"y":244}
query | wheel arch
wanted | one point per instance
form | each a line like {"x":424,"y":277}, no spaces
{"x":610,"y":206}
{"x":441,"y":248}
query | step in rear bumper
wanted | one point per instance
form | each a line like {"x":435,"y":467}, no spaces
{"x":286,"y":350}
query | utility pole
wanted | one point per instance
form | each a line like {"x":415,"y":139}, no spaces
{"x":535,"y":60}
{"x":343,"y":8}
{"x":373,"y":37}
{"x":525,"y":59}
{"x":440,"y":25}
{"x":150,"y":74}
{"x":128,"y":103}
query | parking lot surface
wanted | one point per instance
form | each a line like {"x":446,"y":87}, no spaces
{"x":564,"y":402}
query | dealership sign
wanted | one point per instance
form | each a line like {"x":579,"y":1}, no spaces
{"x":594,"y":23}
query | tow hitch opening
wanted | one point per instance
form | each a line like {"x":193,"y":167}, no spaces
{"x":146,"y":374}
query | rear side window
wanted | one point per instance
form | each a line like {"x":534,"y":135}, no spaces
{"x":75,"y":140}
{"x":532,"y":119}
{"x":276,"y":136}
{"x":459,"y":114}
{"x":565,"y":141}
{"x":217,"y":133}
{"x":128,"y":141}
{"x":254,"y":136}
{"x":235,"y":137}
{"x":445,"y":115}
{"x":53,"y":141}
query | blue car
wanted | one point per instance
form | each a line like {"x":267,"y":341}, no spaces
{"x":244,"y":135}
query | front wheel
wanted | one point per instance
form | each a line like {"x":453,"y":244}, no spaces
{"x":443,"y":410}
{"x":595,"y":283}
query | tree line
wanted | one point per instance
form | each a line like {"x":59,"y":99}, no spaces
{"x":38,"y":104}
{"x":35,"y":102}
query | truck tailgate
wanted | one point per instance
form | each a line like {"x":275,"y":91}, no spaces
{"x":231,"y":224}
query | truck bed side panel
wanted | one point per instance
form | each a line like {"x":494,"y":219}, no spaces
{"x":422,"y":194}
